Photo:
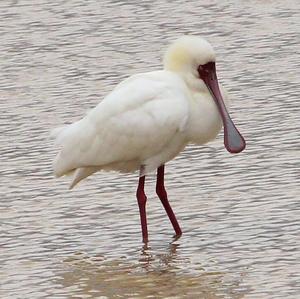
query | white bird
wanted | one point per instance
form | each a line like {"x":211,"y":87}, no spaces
{"x":148,"y":119}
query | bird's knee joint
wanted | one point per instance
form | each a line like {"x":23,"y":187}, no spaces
{"x":141,"y":197}
{"x":161,"y":192}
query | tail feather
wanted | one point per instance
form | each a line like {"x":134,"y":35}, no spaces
{"x":57,"y":134}
{"x":81,"y":173}
{"x":62,"y":163}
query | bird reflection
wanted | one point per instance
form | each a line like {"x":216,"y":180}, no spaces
{"x":159,"y":261}
{"x":151,"y":272}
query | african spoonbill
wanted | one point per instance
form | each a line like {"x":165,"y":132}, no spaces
{"x":148,"y":119}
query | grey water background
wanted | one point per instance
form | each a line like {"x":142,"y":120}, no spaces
{"x":239,"y":213}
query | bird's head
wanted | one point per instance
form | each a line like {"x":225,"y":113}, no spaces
{"x":194,"y":59}
{"x":187,"y":53}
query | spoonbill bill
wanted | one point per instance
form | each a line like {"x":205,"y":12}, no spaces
{"x":148,"y":119}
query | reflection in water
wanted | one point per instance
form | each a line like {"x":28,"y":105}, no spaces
{"x":166,"y":260}
{"x":154,"y":276}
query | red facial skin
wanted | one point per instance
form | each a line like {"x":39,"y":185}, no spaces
{"x":233,"y":140}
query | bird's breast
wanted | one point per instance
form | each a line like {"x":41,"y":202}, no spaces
{"x":204,"y":121}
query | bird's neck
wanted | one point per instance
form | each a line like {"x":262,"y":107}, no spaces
{"x":192,"y":80}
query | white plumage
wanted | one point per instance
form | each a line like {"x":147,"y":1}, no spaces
{"x":146,"y":120}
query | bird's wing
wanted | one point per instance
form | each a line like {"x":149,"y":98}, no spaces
{"x":134,"y":122}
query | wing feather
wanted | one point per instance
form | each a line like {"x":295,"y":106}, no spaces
{"x":134,"y":122}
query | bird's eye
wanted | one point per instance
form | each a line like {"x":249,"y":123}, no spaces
{"x":203,"y":69}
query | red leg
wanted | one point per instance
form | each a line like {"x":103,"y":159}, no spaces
{"x":162,"y":194}
{"x":142,"y":199}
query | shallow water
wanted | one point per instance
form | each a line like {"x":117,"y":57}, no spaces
{"x":239,"y":213}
